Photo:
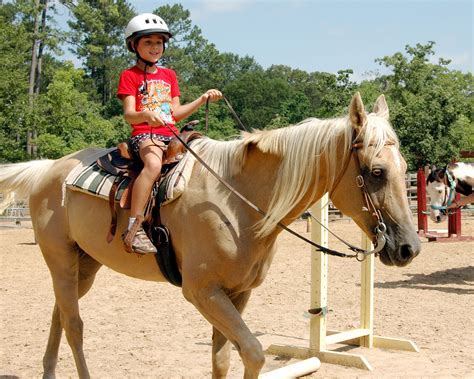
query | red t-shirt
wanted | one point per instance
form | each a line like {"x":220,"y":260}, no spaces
{"x":161,"y":87}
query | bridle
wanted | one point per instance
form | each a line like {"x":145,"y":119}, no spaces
{"x":448,"y":197}
{"x":359,"y":254}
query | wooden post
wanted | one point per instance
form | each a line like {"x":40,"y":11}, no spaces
{"x":295,"y":370}
{"x":367,"y":293}
{"x":454,"y":219}
{"x":421,"y":202}
{"x":319,"y":276}
{"x":320,"y":337}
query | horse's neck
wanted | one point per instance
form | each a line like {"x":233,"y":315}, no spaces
{"x":261,"y":172}
{"x":464,"y":176}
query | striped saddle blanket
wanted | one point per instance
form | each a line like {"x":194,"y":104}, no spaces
{"x":89,"y":178}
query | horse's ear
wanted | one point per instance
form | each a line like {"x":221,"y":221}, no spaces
{"x":428,"y":170}
{"x":357,"y":114}
{"x":381,"y":107}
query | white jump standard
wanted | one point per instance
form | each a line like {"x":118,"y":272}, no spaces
{"x":320,"y":337}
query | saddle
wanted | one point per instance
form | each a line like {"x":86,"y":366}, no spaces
{"x":123,"y":164}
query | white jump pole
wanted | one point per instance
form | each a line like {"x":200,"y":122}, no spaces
{"x":294,"y":370}
{"x":320,"y":337}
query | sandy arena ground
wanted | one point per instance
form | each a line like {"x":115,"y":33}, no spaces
{"x":138,"y":329}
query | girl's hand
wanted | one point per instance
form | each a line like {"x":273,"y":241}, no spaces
{"x":212,"y":94}
{"x":153,"y":118}
{"x":454,"y":205}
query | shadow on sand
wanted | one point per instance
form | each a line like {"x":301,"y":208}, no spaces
{"x":438,"y":281}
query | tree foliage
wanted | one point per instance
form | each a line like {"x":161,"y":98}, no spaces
{"x":14,"y":64}
{"x":97,"y":39}
{"x":431,"y":106}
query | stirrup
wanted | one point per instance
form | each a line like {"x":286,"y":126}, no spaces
{"x":129,"y":237}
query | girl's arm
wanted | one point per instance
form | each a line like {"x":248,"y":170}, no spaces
{"x":181,"y":112}
{"x":134,"y":117}
{"x":463,"y":201}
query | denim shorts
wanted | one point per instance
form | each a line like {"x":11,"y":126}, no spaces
{"x":137,"y":140}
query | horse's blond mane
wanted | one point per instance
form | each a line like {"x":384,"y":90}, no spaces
{"x":295,"y":144}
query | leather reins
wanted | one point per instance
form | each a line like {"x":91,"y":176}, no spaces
{"x":360,"y":254}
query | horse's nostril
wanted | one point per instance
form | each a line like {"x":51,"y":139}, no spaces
{"x":406,"y":253}
{"x":438,"y":218}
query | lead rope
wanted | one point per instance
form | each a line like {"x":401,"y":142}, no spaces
{"x":350,"y":246}
{"x":229,"y":106}
{"x":318,"y":247}
{"x":242,"y":126}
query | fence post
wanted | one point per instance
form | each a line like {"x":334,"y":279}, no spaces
{"x":454,"y":220}
{"x":421,"y":201}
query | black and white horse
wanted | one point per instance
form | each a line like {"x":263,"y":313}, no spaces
{"x":442,"y":184}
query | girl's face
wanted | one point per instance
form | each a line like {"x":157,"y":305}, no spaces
{"x":151,"y":47}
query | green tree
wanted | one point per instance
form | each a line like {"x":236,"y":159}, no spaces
{"x":68,"y":121}
{"x":15,"y":45}
{"x":431,"y":106}
{"x":97,"y":38}
{"x":28,"y":37}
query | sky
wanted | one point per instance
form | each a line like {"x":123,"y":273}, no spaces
{"x":328,"y":36}
{"x":316,"y":35}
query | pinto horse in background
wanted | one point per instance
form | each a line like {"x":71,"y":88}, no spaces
{"x":442,"y":184}
{"x":223,"y":247}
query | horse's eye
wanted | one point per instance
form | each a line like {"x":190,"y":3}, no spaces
{"x":377,"y":172}
{"x":440,"y":191}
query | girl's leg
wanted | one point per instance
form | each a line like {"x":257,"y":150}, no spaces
{"x":151,"y":156}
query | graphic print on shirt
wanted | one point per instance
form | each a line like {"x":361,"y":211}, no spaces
{"x":157,"y":99}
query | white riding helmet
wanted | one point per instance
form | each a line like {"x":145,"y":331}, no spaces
{"x":145,"y":24}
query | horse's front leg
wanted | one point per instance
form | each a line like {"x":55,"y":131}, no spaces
{"x":221,"y":346}
{"x":216,"y":306}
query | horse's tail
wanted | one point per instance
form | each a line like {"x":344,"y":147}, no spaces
{"x":18,"y":179}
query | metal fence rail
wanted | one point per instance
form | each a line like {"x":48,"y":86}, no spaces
{"x":17,"y":212}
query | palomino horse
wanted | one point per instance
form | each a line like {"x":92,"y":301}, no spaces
{"x":224,"y":248}
{"x":443,"y":183}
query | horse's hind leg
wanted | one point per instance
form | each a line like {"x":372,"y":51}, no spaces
{"x":221,"y":347}
{"x":50,"y":357}
{"x":88,"y":267}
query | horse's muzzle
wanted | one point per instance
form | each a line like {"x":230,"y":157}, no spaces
{"x":400,"y":254}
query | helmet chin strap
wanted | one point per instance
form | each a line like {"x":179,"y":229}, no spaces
{"x":147,"y":63}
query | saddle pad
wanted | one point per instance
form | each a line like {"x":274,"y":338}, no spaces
{"x":174,"y":183}
{"x":93,"y":180}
